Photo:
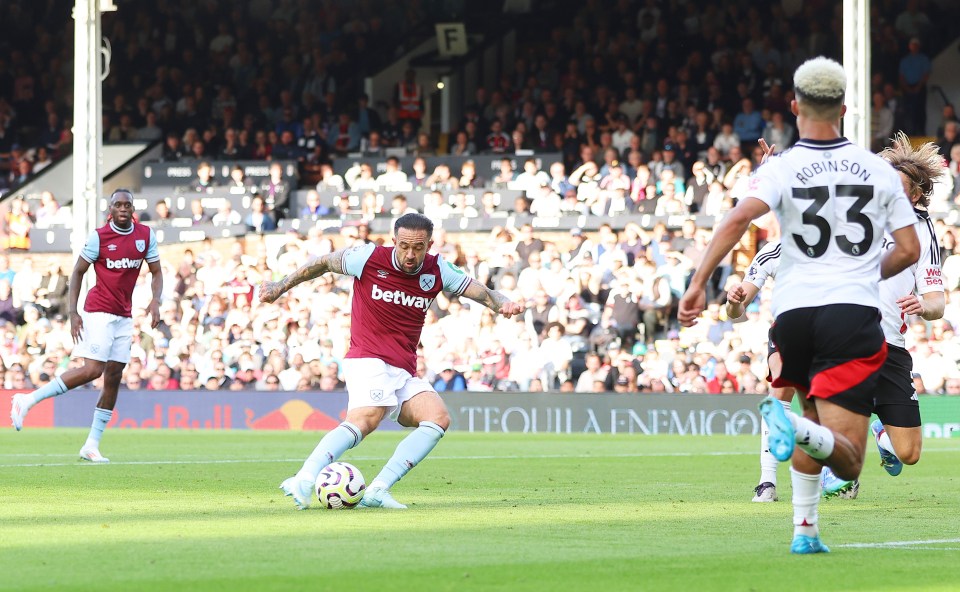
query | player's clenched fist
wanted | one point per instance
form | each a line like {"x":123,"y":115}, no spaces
{"x":736,"y":294}
{"x":270,"y":291}
{"x":509,"y":309}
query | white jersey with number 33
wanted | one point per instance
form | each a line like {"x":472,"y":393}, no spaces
{"x":833,"y":200}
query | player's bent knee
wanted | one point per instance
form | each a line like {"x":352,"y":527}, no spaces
{"x":93,"y":369}
{"x":441,"y":417}
{"x":910,"y":454}
{"x":112,"y":375}
{"x":367,"y":419}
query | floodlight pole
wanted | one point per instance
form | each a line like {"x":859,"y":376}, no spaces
{"x":856,"y":61}
{"x":87,"y":118}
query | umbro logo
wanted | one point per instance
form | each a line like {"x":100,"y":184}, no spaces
{"x":382,"y":274}
{"x":111,"y":247}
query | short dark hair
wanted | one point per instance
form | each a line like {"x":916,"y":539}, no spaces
{"x":413,"y":221}
{"x":118,"y":191}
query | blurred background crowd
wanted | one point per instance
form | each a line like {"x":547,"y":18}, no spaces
{"x":642,"y":107}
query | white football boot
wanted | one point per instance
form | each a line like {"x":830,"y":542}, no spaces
{"x":301,"y":490}
{"x":93,"y":455}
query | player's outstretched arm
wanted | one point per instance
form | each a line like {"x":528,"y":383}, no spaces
{"x":270,"y":291}
{"x":738,"y":296}
{"x":905,"y":252}
{"x":725,"y":237}
{"x":493,"y":300}
{"x":76,"y":280}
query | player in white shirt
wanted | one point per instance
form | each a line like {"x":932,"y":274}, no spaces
{"x":833,"y":201}
{"x":918,"y":291}
{"x":764,"y":266}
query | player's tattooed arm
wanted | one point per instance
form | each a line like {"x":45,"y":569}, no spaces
{"x":492,"y":299}
{"x":270,"y":291}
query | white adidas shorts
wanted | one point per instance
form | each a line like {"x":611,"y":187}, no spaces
{"x":371,"y":382}
{"x":106,"y":337}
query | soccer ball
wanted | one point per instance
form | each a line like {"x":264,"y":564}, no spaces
{"x":340,"y":486}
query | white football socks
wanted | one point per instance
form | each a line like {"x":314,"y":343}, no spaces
{"x":331,"y":447}
{"x":806,"y":500}
{"x":52,"y":389}
{"x":101,"y":417}
{"x":814,"y":439}
{"x":411,"y":450}
{"x":883,"y":440}
{"x":768,"y":463}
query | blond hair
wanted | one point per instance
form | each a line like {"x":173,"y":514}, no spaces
{"x":922,"y":165}
{"x":820,"y":85}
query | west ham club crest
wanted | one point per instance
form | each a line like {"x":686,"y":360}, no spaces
{"x":426,"y":281}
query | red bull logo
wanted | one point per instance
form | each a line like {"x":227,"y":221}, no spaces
{"x":226,"y":410}
{"x":292,"y":415}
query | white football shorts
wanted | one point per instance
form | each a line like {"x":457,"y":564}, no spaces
{"x":374,"y":383}
{"x":106,"y":337}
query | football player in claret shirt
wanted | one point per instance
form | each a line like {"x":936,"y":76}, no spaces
{"x":392,"y":289}
{"x":103,"y":333}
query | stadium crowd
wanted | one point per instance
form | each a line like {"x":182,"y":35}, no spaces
{"x":600,"y":318}
{"x":639,"y":126}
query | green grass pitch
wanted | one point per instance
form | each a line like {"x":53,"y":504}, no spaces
{"x":201,"y":511}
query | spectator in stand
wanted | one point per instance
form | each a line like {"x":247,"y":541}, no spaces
{"x":399,"y":207}
{"x":409,"y":99}
{"x":150,"y":131}
{"x":275,"y":191}
{"x":239,"y":182}
{"x":345,"y":135}
{"x":748,"y":125}
{"x":367,"y":118}
{"x":360,"y":177}
{"x":329,"y":181}
{"x":15,"y":226}
{"x":949,"y":139}
{"x":449,"y":379}
{"x":881,"y":123}
{"x":462,"y":146}
{"x":497,"y":141}
{"x":227,"y":216}
{"x":259,"y":220}
{"x":915,"y":70}
{"x":162,"y":214}
{"x":313,"y":207}
{"x":49,"y":213}
{"x":778,"y":134}
{"x":197,"y":213}
{"x":532,"y":178}
{"x":622,"y":136}
{"x":468,"y":176}
{"x":205,"y":181}
{"x":287,"y":148}
{"x":21,"y":172}
{"x":441,"y":179}
{"x":726,"y":140}
{"x":506,"y":176}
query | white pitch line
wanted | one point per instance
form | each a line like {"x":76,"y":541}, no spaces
{"x":901,"y":544}
{"x":436,"y":457}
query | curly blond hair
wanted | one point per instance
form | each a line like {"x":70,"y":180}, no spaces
{"x":922,"y":165}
